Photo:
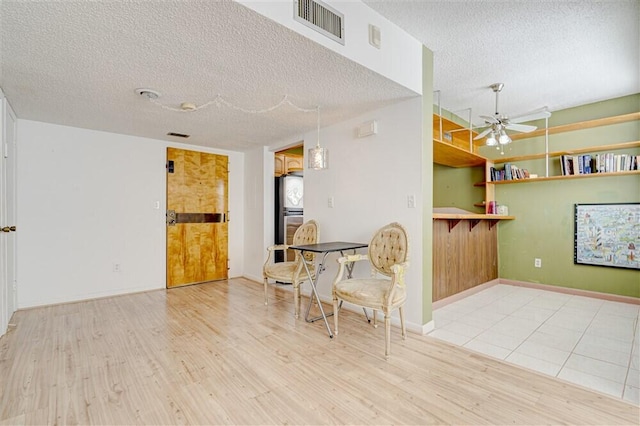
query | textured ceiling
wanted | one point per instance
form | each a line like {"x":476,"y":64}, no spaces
{"x":77,"y":63}
{"x":555,"y":53}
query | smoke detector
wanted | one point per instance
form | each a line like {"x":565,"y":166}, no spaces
{"x":148,"y":93}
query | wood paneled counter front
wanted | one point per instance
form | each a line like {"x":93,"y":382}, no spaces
{"x":465,"y":250}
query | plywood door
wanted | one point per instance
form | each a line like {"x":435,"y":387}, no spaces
{"x":197,"y":190}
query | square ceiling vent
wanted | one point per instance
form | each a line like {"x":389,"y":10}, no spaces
{"x":321,"y":17}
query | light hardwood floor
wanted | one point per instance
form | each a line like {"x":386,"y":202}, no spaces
{"x":215,"y":354}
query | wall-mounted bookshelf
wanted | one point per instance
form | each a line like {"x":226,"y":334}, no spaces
{"x":589,"y":175}
{"x":600,"y":148}
{"x":616,"y":119}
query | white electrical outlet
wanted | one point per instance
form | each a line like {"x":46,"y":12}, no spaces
{"x":116,"y":267}
{"x":330,"y":202}
{"x":411,"y":201}
{"x":537,"y":263}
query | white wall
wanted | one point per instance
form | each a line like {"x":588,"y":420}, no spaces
{"x":369,"y":179}
{"x":258,"y":218}
{"x":399,"y":58}
{"x":87,"y":201}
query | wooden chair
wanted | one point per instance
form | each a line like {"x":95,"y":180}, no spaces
{"x":388,"y":254}
{"x":292,"y":272}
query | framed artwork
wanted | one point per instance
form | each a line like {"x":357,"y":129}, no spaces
{"x":607,"y":235}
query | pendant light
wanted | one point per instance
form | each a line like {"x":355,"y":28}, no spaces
{"x":318,"y":156}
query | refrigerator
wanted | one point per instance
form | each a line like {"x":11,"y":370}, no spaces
{"x":289,"y":207}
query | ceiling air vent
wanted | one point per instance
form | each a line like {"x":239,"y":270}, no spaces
{"x":178,"y":135}
{"x":321,"y":17}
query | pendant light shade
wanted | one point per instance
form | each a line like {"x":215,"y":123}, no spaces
{"x":504,"y":138}
{"x":491,"y":140}
{"x":318,"y":158}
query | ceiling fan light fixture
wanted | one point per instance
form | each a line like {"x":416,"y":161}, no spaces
{"x":504,"y":139}
{"x":491,"y":140}
{"x":497,"y":124}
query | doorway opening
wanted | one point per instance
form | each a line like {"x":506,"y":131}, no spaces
{"x":289,"y":197}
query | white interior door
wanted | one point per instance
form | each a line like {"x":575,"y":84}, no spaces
{"x":10,"y":159}
{"x":8,"y":275}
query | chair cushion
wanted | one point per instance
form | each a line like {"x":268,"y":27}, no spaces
{"x":368,"y":291}
{"x":283,"y":271}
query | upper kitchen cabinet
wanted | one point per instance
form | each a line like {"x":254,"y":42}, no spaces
{"x":293,"y":163}
{"x":286,"y":163}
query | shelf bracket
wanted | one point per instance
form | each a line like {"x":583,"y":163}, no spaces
{"x":473,"y":223}
{"x":493,"y":223}
{"x":453,"y":223}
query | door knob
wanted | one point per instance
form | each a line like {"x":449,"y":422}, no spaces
{"x":6,"y":229}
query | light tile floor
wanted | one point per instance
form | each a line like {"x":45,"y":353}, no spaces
{"x":591,"y":342}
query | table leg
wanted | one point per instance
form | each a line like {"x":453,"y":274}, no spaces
{"x":317,"y":296}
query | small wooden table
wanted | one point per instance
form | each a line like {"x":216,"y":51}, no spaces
{"x":325,"y":249}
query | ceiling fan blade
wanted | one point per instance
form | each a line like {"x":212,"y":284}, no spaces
{"x":489,"y":119}
{"x":525,"y":128}
{"x":483,"y":134}
{"x":530,"y":116}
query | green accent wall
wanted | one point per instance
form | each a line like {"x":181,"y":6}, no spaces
{"x":453,"y":187}
{"x":544,"y":211}
{"x":427,"y":185}
{"x":544,"y":229}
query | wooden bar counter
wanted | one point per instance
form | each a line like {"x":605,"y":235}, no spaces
{"x":465,"y":250}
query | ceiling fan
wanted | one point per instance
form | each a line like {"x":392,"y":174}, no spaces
{"x":499,"y":124}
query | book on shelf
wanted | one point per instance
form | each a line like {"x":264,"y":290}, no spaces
{"x":578,"y":168}
{"x":586,"y":160}
{"x":509,"y":172}
{"x":607,"y":162}
{"x":566,"y":165}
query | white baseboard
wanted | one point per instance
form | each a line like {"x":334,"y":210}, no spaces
{"x":253,"y":278}
{"x":428,"y":327}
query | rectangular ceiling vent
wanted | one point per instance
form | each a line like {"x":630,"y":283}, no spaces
{"x":321,"y":17}
{"x":178,"y":135}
